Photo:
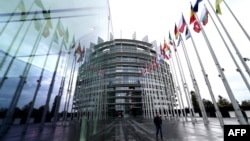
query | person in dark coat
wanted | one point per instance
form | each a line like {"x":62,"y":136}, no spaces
{"x":158,"y":124}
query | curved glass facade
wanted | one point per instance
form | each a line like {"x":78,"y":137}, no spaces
{"x":111,"y":83}
{"x":37,"y":44}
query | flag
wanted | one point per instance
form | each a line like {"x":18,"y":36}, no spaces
{"x":154,"y":64}
{"x":165,"y":46}
{"x":144,"y":71}
{"x":182,"y":24}
{"x":21,"y":6}
{"x":166,"y":56}
{"x":204,"y":16}
{"x":176,"y":33}
{"x":197,"y":27}
{"x":174,"y":46}
{"x":159,"y":59}
{"x":60,"y":28}
{"x":78,"y":49}
{"x":192,"y":16}
{"x":65,"y":45}
{"x":187,"y":34}
{"x":66,"y":36}
{"x":80,"y":59}
{"x":196,"y":5}
{"x":179,"y":41}
{"x":39,"y":4}
{"x":169,"y":53}
{"x":46,"y":31}
{"x":161,"y":49}
{"x":37,"y":23}
{"x":73,"y":42}
{"x":217,"y":6}
{"x":55,"y":38}
{"x":170,"y":39}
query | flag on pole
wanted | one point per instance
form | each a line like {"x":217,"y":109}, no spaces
{"x":197,"y":27}
{"x":55,"y":38}
{"x":46,"y":31}
{"x":174,"y":46}
{"x":196,"y":5}
{"x":179,"y":41}
{"x":192,"y":16}
{"x":80,"y":59}
{"x":170,"y":39}
{"x":60,"y":28}
{"x":165,"y":46}
{"x":21,"y":6}
{"x":204,"y":16}
{"x":73,"y":42}
{"x":37,"y":22}
{"x":182,"y":24}
{"x":39,"y":4}
{"x":176,"y":33}
{"x":78,"y":49}
{"x":161,"y":49}
{"x":66,"y":36}
{"x":217,"y":6}
{"x":187,"y":34}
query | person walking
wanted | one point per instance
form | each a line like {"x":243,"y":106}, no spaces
{"x":158,"y":124}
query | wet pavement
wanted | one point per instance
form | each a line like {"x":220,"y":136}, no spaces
{"x":130,"y":129}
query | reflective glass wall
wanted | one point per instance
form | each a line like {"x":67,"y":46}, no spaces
{"x":38,"y":41}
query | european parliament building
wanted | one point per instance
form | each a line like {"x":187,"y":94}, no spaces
{"x":123,"y":78}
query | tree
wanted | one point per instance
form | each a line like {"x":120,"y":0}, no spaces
{"x":245,"y":103}
{"x":194,"y":100}
{"x":207,"y":103}
{"x":223,"y":102}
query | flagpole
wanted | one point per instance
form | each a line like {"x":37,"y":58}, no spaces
{"x":65,"y":114}
{"x":242,"y":28}
{"x":172,"y":90}
{"x":195,"y":84}
{"x":185,"y":87}
{"x":231,"y":54}
{"x":46,"y":107}
{"x":52,"y":86}
{"x":63,"y":79}
{"x":223,"y":77}
{"x":71,"y":85}
{"x":232,"y":42}
{"x":10,"y":112}
{"x":207,"y":81}
{"x":178,"y":90}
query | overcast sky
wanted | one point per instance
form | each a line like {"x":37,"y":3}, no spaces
{"x":156,"y":18}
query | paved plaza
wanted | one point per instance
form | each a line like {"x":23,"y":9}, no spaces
{"x":123,"y":129}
